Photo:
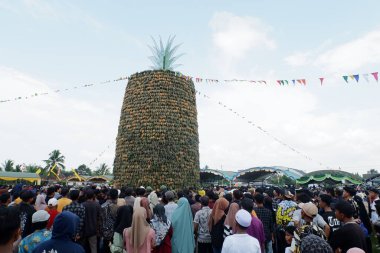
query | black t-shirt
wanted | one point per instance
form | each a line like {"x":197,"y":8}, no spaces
{"x":217,"y":233}
{"x":333,"y":222}
{"x":349,"y":236}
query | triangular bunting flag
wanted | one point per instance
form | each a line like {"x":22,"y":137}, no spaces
{"x":303,"y":81}
{"x":376,"y":76}
{"x":321,"y":79}
{"x":366,"y":77}
{"x":299,"y":81}
{"x":345,"y":78}
{"x":286,"y":81}
{"x":294,"y":82}
{"x":279,"y":82}
{"x":352,"y":77}
{"x":356,"y":78}
{"x":282,"y":82}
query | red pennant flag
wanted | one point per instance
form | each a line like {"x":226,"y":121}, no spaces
{"x":279,"y":82}
{"x":376,"y":76}
{"x":321,"y":79}
{"x":303,"y":81}
{"x":299,"y":81}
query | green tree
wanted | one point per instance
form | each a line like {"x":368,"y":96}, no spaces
{"x":32,"y":168}
{"x":373,"y":171}
{"x":55,"y":158}
{"x":102,"y":170}
{"x":83,"y":170}
{"x":8,"y":165}
{"x":17,"y":168}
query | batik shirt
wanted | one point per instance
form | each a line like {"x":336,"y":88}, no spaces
{"x":28,"y":244}
{"x":201,"y":218}
{"x":285,"y":212}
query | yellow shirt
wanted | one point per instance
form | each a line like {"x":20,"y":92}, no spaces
{"x":18,"y":201}
{"x":62,"y":202}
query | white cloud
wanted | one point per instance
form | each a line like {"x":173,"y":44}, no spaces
{"x":298,"y":59}
{"x":32,"y":128}
{"x":234,"y":36}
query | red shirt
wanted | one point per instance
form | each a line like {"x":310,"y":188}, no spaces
{"x":53,"y":213}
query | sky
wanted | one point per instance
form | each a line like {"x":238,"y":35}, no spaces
{"x":50,"y":45}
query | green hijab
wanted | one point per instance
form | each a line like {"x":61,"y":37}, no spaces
{"x":183,"y":230}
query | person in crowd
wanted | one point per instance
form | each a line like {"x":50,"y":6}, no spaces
{"x":139,"y":238}
{"x":108,"y":214}
{"x":123,"y":221}
{"x":64,"y":200}
{"x":350,"y":235}
{"x":241,"y":242}
{"x":197,"y":205}
{"x":65,"y":228}
{"x":328,"y":214}
{"x":129,"y":198}
{"x":230,"y":222}
{"x":216,"y":224}
{"x":92,"y":222}
{"x":5,"y":200}
{"x":289,"y":234}
{"x":40,"y":203}
{"x":76,"y":208}
{"x":10,"y":231}
{"x":183,"y":228}
{"x":26,"y":210}
{"x":373,"y":196}
{"x":101,"y":195}
{"x":266,"y":218}
{"x":256,"y":229}
{"x":52,"y":210}
{"x":315,"y":244}
{"x":140,"y":192}
{"x":41,"y":233}
{"x":201,"y":226}
{"x":50,"y":193}
{"x":163,"y":230}
{"x":237,"y":195}
{"x":152,"y":198}
{"x":144,"y":202}
{"x":331,"y":192}
{"x":120,"y":200}
{"x":171,"y":205}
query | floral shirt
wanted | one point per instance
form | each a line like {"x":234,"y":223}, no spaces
{"x":201,"y":218}
{"x":285,"y":210}
{"x":31,"y":241}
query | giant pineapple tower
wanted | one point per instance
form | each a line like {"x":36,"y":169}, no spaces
{"x":157,"y":142}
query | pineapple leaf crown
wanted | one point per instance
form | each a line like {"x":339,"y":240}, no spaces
{"x":164,"y":57}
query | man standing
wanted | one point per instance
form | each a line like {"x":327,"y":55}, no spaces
{"x":170,"y":206}
{"x":328,"y":214}
{"x":201,"y":226}
{"x":26,"y":211}
{"x":77,"y":209}
{"x":9,"y":229}
{"x":64,"y":200}
{"x":108,"y":214}
{"x":92,"y":222}
{"x":40,"y":234}
{"x":5,"y":200}
{"x":241,"y":242}
{"x":256,"y":229}
{"x":266,"y":217}
{"x":350,"y":235}
{"x":52,"y":210}
{"x":373,"y":197}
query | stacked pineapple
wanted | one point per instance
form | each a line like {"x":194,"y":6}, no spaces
{"x":157,"y":140}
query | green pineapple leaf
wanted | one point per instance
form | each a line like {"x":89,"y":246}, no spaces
{"x":163,"y":57}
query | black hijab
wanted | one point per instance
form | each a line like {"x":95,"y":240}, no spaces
{"x":123,"y":219}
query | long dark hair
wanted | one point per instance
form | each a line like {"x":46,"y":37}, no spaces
{"x":159,"y":212}
{"x":123,"y":219}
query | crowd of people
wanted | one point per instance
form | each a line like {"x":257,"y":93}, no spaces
{"x":58,"y":219}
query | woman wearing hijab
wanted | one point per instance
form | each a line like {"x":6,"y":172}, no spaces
{"x":183,"y":228}
{"x":162,"y":228}
{"x":144,"y":203}
{"x":123,"y":221}
{"x":216,"y":224}
{"x":230,"y":222}
{"x":140,"y":237}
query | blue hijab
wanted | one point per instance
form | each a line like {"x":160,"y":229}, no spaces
{"x":183,"y":230}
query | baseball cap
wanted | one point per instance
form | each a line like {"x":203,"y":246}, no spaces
{"x":243,"y":218}
{"x":52,"y":202}
{"x":40,"y":216}
{"x":309,"y":208}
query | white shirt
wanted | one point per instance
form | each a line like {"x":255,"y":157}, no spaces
{"x":374,"y":216}
{"x":169,"y":210}
{"x":316,"y":220}
{"x":241,"y":243}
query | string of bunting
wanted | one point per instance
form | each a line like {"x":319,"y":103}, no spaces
{"x":100,"y":155}
{"x":302,"y":81}
{"x":62,"y":90}
{"x":250,"y":122}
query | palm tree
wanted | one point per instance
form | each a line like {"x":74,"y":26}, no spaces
{"x":55,"y":159}
{"x":8,"y":165}
{"x":102,"y":170}
{"x":83,"y":170}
